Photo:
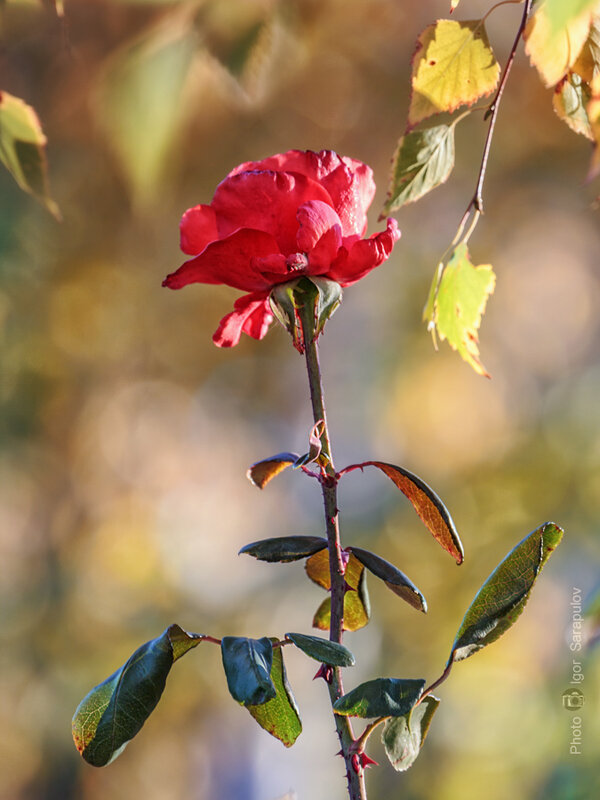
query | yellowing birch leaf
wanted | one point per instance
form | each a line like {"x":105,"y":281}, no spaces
{"x":588,"y":61}
{"x":453,"y":65}
{"x":593,"y":111}
{"x":571,"y":96}
{"x":554,"y":51}
{"x":457,"y":302}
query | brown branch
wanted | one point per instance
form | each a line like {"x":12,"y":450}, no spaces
{"x":492,"y":112}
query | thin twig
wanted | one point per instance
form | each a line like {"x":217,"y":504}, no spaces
{"x":435,"y":684}
{"x":476,"y":202}
{"x":361,"y":742}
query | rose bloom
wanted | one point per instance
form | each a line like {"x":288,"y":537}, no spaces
{"x":272,"y":221}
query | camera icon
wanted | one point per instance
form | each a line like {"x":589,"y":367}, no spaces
{"x":573,"y":699}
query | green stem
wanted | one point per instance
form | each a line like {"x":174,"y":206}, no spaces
{"x":355,"y":777}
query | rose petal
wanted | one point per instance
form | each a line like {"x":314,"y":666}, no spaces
{"x":348,"y":181}
{"x":251,"y":315}
{"x":305,"y":162}
{"x":316,"y":218}
{"x":324,"y":253}
{"x":352,"y":188}
{"x":364,"y":255}
{"x":231,"y":261}
{"x":265,"y":201}
{"x":198,"y":227}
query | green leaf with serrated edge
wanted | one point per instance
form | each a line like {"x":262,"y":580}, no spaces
{"x":560,"y":12}
{"x":247,"y":664}
{"x":432,"y":512}
{"x":382,"y":697}
{"x":264,"y":471}
{"x":284,"y":548}
{"x":422,"y":161}
{"x":570,"y":99}
{"x":403,"y":737}
{"x":503,"y":596}
{"x":23,"y":148}
{"x":323,"y":650}
{"x":279,"y":716}
{"x":462,"y":293}
{"x":453,"y":65}
{"x":392,"y":577}
{"x":115,"y":710}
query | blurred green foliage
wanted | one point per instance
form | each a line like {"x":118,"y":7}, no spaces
{"x":125,"y":434}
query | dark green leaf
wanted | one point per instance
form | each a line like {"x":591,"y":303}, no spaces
{"x":503,"y":596}
{"x":279,"y":716}
{"x":422,"y":161}
{"x":263,"y":471}
{"x":23,"y":148}
{"x":115,"y":710}
{"x":285,"y":548}
{"x":427,"y":504}
{"x":247,"y":664}
{"x":323,"y":650}
{"x":382,"y":697}
{"x":392,"y":577}
{"x":403,"y":737}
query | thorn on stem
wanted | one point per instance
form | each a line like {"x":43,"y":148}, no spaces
{"x":325,"y":671}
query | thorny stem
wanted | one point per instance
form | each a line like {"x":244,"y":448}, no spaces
{"x":329,"y":479}
{"x":476,"y":202}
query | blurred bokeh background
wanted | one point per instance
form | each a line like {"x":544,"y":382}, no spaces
{"x":125,"y":434}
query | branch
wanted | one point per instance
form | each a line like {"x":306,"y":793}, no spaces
{"x":476,"y":202}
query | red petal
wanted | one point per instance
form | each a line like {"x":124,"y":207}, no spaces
{"x":364,"y":255}
{"x":349,"y":182}
{"x":265,"y":201}
{"x":352,"y":189}
{"x":316,"y":219}
{"x":232,"y":261}
{"x":324,"y":253}
{"x":198,"y":228}
{"x":252,"y":315}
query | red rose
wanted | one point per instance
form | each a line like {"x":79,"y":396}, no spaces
{"x":273,"y":221}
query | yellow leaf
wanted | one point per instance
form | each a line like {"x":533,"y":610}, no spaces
{"x":588,"y":61}
{"x":570,"y":100}
{"x":453,"y":65}
{"x":593,"y":111}
{"x":554,"y":51}
{"x":457,"y":302}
